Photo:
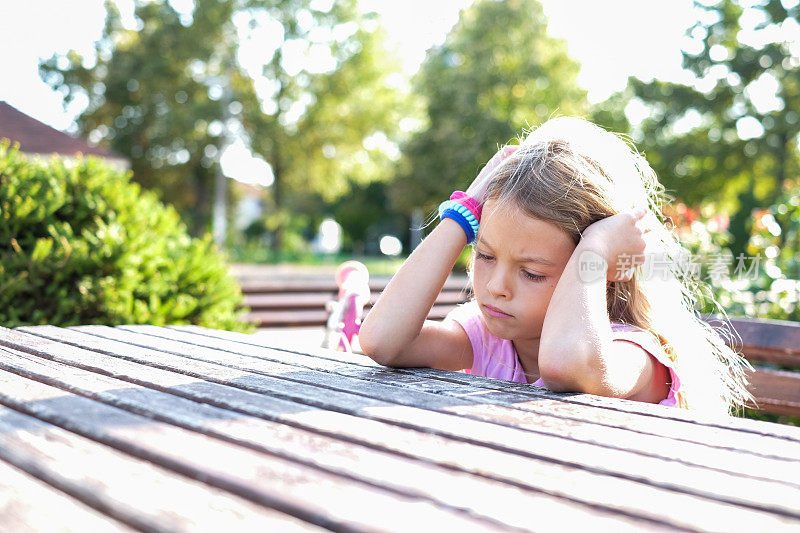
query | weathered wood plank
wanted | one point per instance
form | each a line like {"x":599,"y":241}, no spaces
{"x":308,"y":493}
{"x":543,"y":397}
{"x":502,"y":503}
{"x":776,"y":391}
{"x":551,"y":421}
{"x":521,"y":471}
{"x":132,"y":491}
{"x":772,"y":341}
{"x":287,"y":318}
{"x":261,"y":285}
{"x":312,"y":317}
{"x":29,"y":505}
{"x":317,"y":300}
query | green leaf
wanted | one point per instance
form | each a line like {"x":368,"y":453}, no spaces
{"x":42,"y":249}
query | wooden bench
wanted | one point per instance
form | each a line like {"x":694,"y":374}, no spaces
{"x":767,"y":344}
{"x":773,"y":348}
{"x":301,"y":302}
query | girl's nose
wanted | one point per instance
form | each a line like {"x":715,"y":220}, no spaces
{"x":498,"y":285}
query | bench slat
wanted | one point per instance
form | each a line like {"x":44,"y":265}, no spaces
{"x":319,"y":317}
{"x":317,"y":300}
{"x":776,"y":391}
{"x":300,"y":300}
{"x":261,"y":285}
{"x":288,"y":318}
{"x":773,"y":341}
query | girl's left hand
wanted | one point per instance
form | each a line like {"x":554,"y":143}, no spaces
{"x":477,"y":188}
{"x":620,"y":240}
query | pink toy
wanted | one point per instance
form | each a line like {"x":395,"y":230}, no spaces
{"x":344,"y":320}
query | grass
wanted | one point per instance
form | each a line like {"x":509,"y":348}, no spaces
{"x":767,"y":417}
{"x":376,"y":264}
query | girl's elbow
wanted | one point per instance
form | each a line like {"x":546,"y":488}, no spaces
{"x":566,"y":370}
{"x":552,"y":370}
{"x":556,"y":380}
{"x":374,"y":349}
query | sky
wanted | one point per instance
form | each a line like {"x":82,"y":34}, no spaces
{"x":612,"y":39}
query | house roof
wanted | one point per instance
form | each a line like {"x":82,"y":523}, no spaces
{"x":35,"y":137}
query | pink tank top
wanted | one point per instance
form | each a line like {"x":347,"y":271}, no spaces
{"x":496,"y":358}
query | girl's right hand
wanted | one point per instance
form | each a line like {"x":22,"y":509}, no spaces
{"x":621,"y":241}
{"x":477,"y":189}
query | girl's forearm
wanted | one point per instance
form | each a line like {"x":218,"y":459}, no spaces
{"x":576,"y":332}
{"x":397,"y":317}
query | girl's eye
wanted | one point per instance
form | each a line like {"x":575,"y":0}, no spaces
{"x":483,"y":257}
{"x":533,"y":277}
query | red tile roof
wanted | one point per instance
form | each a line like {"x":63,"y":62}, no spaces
{"x":35,"y":137}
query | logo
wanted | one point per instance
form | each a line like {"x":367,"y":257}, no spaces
{"x":591,"y":266}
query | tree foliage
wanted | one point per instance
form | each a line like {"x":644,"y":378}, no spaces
{"x":170,"y":92}
{"x":730,"y":137}
{"x":497,"y":73}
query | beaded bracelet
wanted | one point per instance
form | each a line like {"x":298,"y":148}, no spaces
{"x":465,"y":211}
{"x":468,"y":202}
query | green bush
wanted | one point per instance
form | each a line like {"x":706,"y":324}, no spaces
{"x":80,"y":244}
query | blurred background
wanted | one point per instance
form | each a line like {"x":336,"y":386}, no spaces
{"x":313,"y":131}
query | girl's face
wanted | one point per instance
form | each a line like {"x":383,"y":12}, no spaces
{"x":518,"y":261}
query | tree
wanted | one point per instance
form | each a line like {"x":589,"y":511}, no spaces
{"x":497,"y":73}
{"x":171,"y":92}
{"x":346,"y":136}
{"x":732,"y":135}
{"x":150,"y":97}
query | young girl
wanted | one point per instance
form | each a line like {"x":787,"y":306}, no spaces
{"x":577,"y":282}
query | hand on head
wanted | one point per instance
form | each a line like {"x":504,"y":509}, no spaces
{"x":620,"y":240}
{"x":477,"y":189}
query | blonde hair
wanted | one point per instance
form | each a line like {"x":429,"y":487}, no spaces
{"x":572,"y":173}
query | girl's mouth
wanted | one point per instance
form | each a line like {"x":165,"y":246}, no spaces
{"x":495,"y":312}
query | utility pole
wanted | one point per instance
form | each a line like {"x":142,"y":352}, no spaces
{"x":220,"y":217}
{"x":417,"y":221}
{"x":220,"y":213}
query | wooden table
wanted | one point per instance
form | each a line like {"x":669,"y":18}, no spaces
{"x":185,"y":428}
